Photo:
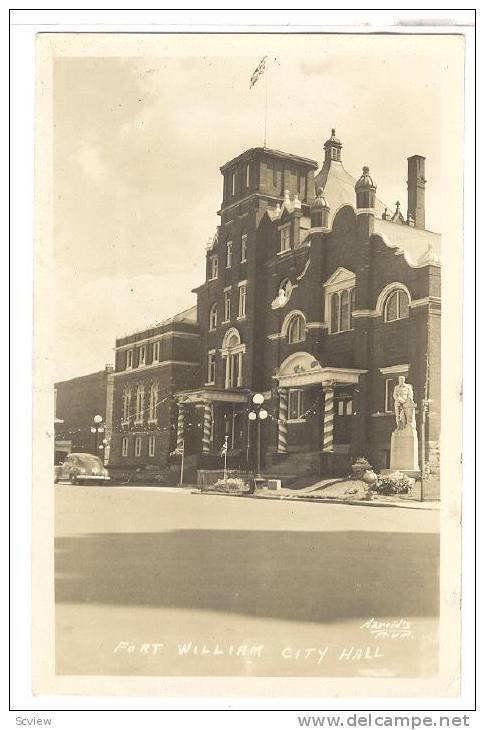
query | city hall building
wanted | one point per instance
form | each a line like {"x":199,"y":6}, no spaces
{"x":318,"y":296}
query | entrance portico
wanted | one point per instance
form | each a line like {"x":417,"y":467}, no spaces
{"x":301,"y":371}
{"x":226,"y":404}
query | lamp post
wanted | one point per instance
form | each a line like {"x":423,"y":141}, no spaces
{"x":96,"y":430}
{"x":258,"y":414}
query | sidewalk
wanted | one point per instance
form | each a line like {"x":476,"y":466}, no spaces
{"x":288,"y":495}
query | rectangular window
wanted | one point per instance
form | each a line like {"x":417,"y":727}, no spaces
{"x":301,"y":185}
{"x":244,"y":247}
{"x":137,"y":445}
{"x":285,"y":238}
{"x":295,"y":404}
{"x":228,"y":254}
{"x":242,"y":301}
{"x":151,"y":445}
{"x":156,"y":352}
{"x":275,"y":175}
{"x":247,"y":176}
{"x":213,"y":267}
{"x":124,"y":446}
{"x":211,"y":368}
{"x":233,"y":184}
{"x":227,"y":305}
{"x":389,"y":389}
{"x":129,"y":359}
{"x":142,"y":355}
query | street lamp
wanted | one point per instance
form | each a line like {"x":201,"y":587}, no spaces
{"x":258,"y":414}
{"x":96,"y":430}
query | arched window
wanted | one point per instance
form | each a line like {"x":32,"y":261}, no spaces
{"x":296,"y":329}
{"x":232,"y":353}
{"x":140,"y":402}
{"x":397,"y":306}
{"x":213,"y":317}
{"x":153,"y":402}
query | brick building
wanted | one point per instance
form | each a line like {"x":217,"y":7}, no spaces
{"x":318,"y":296}
{"x":77,"y":401}
{"x":151,"y":365}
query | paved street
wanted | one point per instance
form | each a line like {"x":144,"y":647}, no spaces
{"x":152,"y":582}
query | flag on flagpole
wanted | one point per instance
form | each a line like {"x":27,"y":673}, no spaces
{"x":258,"y":72}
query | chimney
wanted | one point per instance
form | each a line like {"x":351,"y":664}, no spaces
{"x":416,"y":184}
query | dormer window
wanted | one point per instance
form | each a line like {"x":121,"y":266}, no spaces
{"x":228,"y":254}
{"x":336,"y":154}
{"x":142,"y":355}
{"x":233,"y":184}
{"x":156,"y":352}
{"x":129,"y":359}
{"x":213,"y":267}
{"x":247,"y":176}
{"x":285,"y":238}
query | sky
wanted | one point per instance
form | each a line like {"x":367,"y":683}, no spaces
{"x":139,"y":139}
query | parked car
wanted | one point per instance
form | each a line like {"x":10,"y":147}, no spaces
{"x":82,"y":469}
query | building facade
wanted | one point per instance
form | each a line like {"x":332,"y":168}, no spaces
{"x":318,"y":296}
{"x":151,"y":365}
{"x":77,"y":402}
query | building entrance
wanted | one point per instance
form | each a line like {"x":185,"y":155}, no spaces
{"x":343,"y":418}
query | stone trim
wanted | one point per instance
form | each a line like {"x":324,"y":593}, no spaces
{"x":395,"y":369}
{"x":133,"y":371}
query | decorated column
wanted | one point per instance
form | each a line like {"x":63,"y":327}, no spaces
{"x":282,"y":421}
{"x":328,"y":419}
{"x":206,"y":435}
{"x":180,"y":426}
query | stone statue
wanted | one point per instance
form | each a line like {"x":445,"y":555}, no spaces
{"x":404,"y":405}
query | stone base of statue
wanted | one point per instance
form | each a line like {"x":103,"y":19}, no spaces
{"x":404,"y":450}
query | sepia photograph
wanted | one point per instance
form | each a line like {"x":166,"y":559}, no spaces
{"x":246,"y":452}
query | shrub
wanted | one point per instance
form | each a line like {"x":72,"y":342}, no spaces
{"x":360,"y":466}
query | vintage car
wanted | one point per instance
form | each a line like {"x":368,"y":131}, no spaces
{"x":82,"y":469}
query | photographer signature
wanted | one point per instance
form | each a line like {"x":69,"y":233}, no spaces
{"x":396,"y":629}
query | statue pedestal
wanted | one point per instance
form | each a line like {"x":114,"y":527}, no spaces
{"x":404,"y":450}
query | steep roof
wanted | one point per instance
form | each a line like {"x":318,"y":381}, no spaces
{"x":339,"y":187}
{"x":417,"y":244}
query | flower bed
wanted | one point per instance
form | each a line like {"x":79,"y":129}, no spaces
{"x":231,"y":485}
{"x":391,"y":484}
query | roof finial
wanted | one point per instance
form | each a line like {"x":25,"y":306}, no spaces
{"x":333,"y":131}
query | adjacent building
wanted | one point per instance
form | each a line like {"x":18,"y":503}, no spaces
{"x":151,"y":366}
{"x":77,"y":402}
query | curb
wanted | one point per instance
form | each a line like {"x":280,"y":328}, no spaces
{"x":355,"y":502}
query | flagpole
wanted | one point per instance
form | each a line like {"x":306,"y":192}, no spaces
{"x":266,"y":105}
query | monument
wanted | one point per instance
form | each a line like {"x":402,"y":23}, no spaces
{"x":404,"y":439}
